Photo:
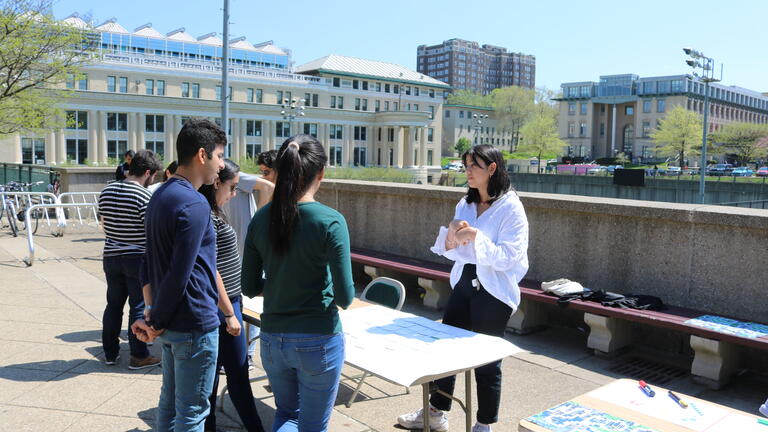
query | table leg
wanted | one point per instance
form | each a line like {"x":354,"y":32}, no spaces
{"x":425,"y":411}
{"x":468,"y":399}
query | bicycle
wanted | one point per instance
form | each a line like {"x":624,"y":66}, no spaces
{"x":8,"y":209}
{"x":23,"y":204}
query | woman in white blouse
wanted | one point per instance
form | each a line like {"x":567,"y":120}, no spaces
{"x":488,"y":242}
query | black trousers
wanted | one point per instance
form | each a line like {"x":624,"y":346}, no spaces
{"x":476,"y":310}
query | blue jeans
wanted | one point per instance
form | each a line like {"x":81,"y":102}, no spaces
{"x":189,"y":366}
{"x":303,"y":370}
{"x":233,"y":356}
{"x":122,"y":274}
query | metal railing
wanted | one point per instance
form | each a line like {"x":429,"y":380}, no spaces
{"x":82,"y":198}
{"x":757,"y":204}
{"x":62,"y":223}
{"x":25,"y":200}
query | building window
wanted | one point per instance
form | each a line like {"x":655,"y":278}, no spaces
{"x":282,"y":129}
{"x":355,"y":84}
{"x":335,"y":155}
{"x":77,"y":150}
{"x":359,"y":156}
{"x":677,"y":86}
{"x":646,"y":106}
{"x":259,"y":96}
{"x":646,"y":128}
{"x":336,"y":82}
{"x":249,"y":95}
{"x":377,"y":105}
{"x":333,"y":101}
{"x":629,"y":139}
{"x":117,"y":121}
{"x":582,"y":108}
{"x":396,"y":106}
{"x":582,"y":129}
{"x":386,"y":105}
{"x":661,"y":105}
{"x":116,"y":149}
{"x":340,"y":102}
{"x":430,"y":154}
{"x":150,"y":87}
{"x":386,"y":88}
{"x":447,"y":113}
{"x":365,"y":104}
{"x":571,"y":129}
{"x":157,"y":146}
{"x":161,"y":87}
{"x":111,"y":84}
{"x":391,"y":134}
{"x":357,"y":104}
{"x":196,"y":90}
{"x":185,"y":89}
{"x":378,"y":86}
{"x":218,"y":92}
{"x":628,"y":110}
{"x":571,"y":108}
{"x":431,"y":112}
{"x":415,"y":107}
{"x":335,"y":132}
{"x":252,"y":150}
{"x":396,"y":89}
{"x":123,"y":84}
{"x":77,"y":120}
{"x":602,"y":129}
{"x":365,"y":85}
{"x":391,"y":157}
{"x":253,"y":128}
{"x":310,"y":129}
{"x":71,"y":81}
{"x":155,"y":123}
{"x":430,"y":134}
{"x":432,"y":93}
{"x":360,"y":133}
{"x":33,"y":151}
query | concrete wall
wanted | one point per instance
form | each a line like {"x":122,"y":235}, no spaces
{"x":706,"y":257}
{"x":668,"y":190}
{"x":84,"y":179}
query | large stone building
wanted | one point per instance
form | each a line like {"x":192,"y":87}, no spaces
{"x":146,"y":85}
{"x":467,"y":65}
{"x":619,"y":113}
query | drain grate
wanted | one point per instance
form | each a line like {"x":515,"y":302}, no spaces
{"x":647,"y":370}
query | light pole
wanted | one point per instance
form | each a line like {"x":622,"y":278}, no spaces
{"x":697,"y":60}
{"x":290,"y":110}
{"x":477,"y":123}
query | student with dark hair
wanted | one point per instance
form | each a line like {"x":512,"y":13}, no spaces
{"x":253,"y":192}
{"x":303,"y":249}
{"x":169,"y":171}
{"x":232,"y":345}
{"x":122,"y":169}
{"x":488,"y":243}
{"x":180,"y":266}
{"x":122,"y":207}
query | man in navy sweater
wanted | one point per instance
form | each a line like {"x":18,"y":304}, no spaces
{"x":180,"y":265}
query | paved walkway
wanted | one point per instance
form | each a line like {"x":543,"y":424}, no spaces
{"x":52,"y":376}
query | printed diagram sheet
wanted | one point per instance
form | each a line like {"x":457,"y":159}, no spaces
{"x":699,"y":416}
{"x":407,"y":349}
{"x":573,"y":417}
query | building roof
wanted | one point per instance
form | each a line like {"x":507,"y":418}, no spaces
{"x":180,"y":34}
{"x":341,"y":65}
{"x":112,"y":26}
{"x":210,"y":39}
{"x":75,"y":21}
{"x":148,"y":31}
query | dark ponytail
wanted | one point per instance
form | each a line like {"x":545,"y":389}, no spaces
{"x":299,"y":161}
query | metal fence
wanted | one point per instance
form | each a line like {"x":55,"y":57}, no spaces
{"x":758,"y":204}
{"x":26,"y":173}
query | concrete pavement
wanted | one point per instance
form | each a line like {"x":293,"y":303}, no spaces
{"x":52,"y":376}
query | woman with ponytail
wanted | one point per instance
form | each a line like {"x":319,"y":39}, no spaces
{"x":302,"y":248}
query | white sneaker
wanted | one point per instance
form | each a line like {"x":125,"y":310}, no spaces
{"x":764,"y":409}
{"x":438,"y":421}
{"x":481,"y":428}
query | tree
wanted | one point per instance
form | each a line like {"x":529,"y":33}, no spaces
{"x":748,"y":141}
{"x":679,"y":134}
{"x":539,"y":136}
{"x":469,"y":97}
{"x":462,"y":145}
{"x":38,"y":55}
{"x":513,"y":106}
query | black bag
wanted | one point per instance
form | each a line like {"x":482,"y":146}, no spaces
{"x":610,"y":299}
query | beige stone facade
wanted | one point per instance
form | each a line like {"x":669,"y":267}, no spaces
{"x":461,"y":121}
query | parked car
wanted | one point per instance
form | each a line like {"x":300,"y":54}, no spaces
{"x":673,"y":171}
{"x":742,"y":172}
{"x":454,"y":166}
{"x":597,"y":170}
{"x":762,"y":172}
{"x":612,"y":168}
{"x":720,"y":170}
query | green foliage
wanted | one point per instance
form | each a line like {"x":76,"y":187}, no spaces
{"x":469,"y":97}
{"x":622,"y":158}
{"x":540,"y":137}
{"x":248,"y":165}
{"x":370,"y":174}
{"x":37,"y":56}
{"x":748,"y":141}
{"x":679,"y":134}
{"x":462,"y":145}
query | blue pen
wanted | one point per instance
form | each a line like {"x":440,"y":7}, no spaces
{"x":646,"y":389}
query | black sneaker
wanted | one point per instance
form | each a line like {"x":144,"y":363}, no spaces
{"x":111,"y":361}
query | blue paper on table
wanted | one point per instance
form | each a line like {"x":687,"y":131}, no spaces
{"x":730,"y":326}
{"x":574,"y":417}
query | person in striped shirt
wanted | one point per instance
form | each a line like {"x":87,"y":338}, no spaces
{"x":232,"y":346}
{"x":122,"y":206}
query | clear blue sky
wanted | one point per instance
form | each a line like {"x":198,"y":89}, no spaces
{"x":572,"y":41}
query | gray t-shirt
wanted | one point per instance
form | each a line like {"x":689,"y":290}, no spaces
{"x":241,"y":208}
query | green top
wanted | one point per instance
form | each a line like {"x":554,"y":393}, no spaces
{"x":303,"y":287}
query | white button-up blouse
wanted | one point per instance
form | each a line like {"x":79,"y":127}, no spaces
{"x":500,"y":249}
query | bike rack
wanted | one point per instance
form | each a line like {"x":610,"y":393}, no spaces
{"x":91,"y":198}
{"x":27,"y":197}
{"x":62,"y":222}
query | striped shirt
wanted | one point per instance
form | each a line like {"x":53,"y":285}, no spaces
{"x":227,"y":256}
{"x":122,"y":206}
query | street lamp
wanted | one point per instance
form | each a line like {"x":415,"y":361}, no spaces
{"x":477,"y":123}
{"x":290,"y":110}
{"x":698,"y":61}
